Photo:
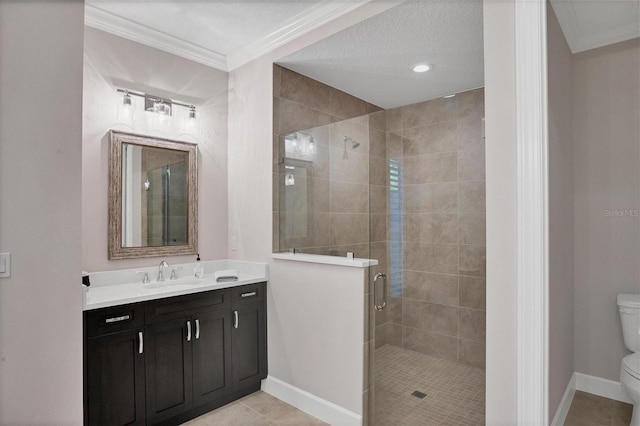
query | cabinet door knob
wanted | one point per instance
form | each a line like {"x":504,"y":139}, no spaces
{"x":188,"y":331}
{"x":140,"y":342}
{"x":197,"y":329}
{"x":235,"y":319}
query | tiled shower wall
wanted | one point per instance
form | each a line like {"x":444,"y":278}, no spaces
{"x":436,"y":256}
{"x":326,"y":210}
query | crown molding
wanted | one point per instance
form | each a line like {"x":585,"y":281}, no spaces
{"x":579,"y":41}
{"x":105,"y":21}
{"x":317,"y":15}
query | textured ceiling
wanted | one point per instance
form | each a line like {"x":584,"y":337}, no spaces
{"x":373,"y":59}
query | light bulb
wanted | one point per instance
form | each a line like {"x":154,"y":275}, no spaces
{"x":289,"y":180}
{"x":312,"y":146}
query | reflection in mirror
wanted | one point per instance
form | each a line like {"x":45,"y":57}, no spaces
{"x":152,"y":197}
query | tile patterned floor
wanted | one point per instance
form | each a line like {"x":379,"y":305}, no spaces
{"x":257,"y":409}
{"x":455,"y":392}
{"x":591,"y":410}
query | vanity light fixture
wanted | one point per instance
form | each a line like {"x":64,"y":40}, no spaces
{"x":156,"y":104}
{"x":147,"y":184}
{"x":422,"y":68}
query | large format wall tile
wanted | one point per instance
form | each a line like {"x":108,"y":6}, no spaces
{"x":472,"y":228}
{"x":429,"y":287}
{"x":431,"y":198}
{"x":473,"y":292}
{"x":471,"y":323}
{"x":294,"y":117}
{"x":349,"y":228}
{"x":440,"y":258}
{"x":430,"y":139}
{"x":441,"y":346}
{"x":347,"y":197}
{"x":472,"y":197}
{"x":471,"y":164}
{"x":431,"y":228}
{"x":303,"y":90}
{"x":472,"y":260}
{"x":471,"y":353}
{"x":429,"y":168}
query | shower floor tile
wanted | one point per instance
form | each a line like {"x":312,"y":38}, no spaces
{"x":455,"y":392}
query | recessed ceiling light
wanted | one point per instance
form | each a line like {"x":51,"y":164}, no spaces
{"x":422,"y":68}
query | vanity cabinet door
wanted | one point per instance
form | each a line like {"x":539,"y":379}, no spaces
{"x":211,"y":357}
{"x":168,"y":350}
{"x":115,"y":382}
{"x":249,"y":340}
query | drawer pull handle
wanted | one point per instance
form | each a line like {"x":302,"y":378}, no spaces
{"x":188,"y":331}
{"x":197,"y":329}
{"x":140,"y":342}
{"x":250,"y":294}
{"x":117,"y":319}
{"x":235,"y":319}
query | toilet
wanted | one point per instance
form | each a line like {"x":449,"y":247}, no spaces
{"x":629,"y":307}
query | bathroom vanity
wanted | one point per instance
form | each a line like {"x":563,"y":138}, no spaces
{"x":166,"y":352}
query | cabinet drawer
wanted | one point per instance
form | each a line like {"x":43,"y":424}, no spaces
{"x":248,"y":293}
{"x":113,"y":319}
{"x":175,"y":307}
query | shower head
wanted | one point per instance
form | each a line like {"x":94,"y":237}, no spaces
{"x":354,"y":143}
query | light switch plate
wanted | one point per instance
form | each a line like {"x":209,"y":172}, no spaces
{"x":5,"y":265}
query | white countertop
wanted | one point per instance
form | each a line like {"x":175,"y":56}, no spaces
{"x":112,"y":288}
{"x":326,"y":260}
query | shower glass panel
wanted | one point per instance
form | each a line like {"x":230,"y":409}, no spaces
{"x":323,"y":189}
{"x":166,"y":204}
{"x":427,"y":230}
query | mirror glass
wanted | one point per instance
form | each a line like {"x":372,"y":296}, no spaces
{"x":152,"y":197}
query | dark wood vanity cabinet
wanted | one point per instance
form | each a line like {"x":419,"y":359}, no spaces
{"x":248,"y":338}
{"x":179,"y":358}
{"x":114,"y":378}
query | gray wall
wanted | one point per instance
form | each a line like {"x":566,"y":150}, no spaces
{"x":40,"y":212}
{"x":560,"y":214}
{"x":606,"y":161}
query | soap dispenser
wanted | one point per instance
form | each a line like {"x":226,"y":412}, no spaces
{"x":198,"y":270}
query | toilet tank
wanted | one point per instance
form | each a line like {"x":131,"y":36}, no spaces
{"x":629,"y":308}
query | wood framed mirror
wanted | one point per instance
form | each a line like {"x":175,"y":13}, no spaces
{"x":153,"y":196}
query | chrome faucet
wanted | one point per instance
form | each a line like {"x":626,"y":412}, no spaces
{"x":163,"y":265}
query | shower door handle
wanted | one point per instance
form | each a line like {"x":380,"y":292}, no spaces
{"x":380,"y":306}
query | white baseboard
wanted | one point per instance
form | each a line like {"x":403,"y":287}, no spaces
{"x":602,"y":387}
{"x":565,"y":403}
{"x":317,"y":407}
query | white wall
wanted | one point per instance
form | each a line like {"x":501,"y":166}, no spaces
{"x":606,"y":159}
{"x":40,"y":212}
{"x":561,"y":296}
{"x":500,"y":131}
{"x":112,"y":62}
{"x":318,"y":310}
